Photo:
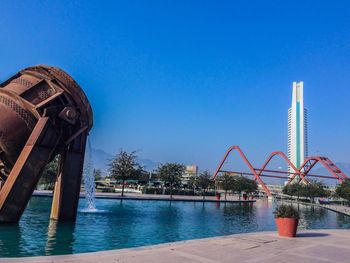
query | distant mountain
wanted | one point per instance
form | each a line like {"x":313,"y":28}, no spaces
{"x":147,"y":164}
{"x":101,"y":159}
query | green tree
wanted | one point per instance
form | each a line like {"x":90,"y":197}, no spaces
{"x":226,"y":182}
{"x":243,"y":184}
{"x":48,"y":178}
{"x":293,"y":189}
{"x":343,"y":190}
{"x":251,"y":186}
{"x":310,"y":190}
{"x":205,"y":181}
{"x":97,"y":174}
{"x":171,"y":173}
{"x":125,"y":167}
{"x":314,"y":189}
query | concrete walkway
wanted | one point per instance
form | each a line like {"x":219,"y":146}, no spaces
{"x":309,"y":246}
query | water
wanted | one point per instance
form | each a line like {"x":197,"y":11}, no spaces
{"x":132,"y":223}
{"x":89,"y":180}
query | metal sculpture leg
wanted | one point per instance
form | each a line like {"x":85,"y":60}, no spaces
{"x":22,"y":180}
{"x":67,"y":187}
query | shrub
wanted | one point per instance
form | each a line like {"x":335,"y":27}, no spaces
{"x":152,"y":190}
{"x":286,"y":211}
{"x":107,"y":190}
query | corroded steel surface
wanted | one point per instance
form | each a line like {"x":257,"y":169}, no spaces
{"x":43,"y":113}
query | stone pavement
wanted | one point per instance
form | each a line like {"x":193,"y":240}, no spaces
{"x":309,"y":246}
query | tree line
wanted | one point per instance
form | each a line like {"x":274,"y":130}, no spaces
{"x":315,"y":189}
{"x":311,"y":190}
{"x":237,"y":184}
{"x":124,"y":167}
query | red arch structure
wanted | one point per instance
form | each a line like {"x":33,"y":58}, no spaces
{"x":327,"y":163}
{"x":299,"y":174}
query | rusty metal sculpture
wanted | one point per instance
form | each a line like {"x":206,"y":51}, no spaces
{"x":43,"y":113}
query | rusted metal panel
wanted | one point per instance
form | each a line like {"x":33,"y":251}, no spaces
{"x":67,"y":187}
{"x":43,"y":112}
{"x":25,"y":174}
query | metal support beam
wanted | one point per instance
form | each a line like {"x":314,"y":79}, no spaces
{"x":67,"y":186}
{"x":22,"y":180}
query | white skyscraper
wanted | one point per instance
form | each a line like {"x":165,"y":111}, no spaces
{"x":297,"y":127}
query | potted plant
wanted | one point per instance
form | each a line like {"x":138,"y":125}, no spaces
{"x":287,"y":219}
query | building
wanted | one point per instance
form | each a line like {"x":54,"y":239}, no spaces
{"x":191,"y":170}
{"x":297,"y":127}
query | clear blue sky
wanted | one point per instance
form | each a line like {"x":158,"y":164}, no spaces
{"x":183,"y":80}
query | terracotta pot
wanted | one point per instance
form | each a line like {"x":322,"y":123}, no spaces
{"x":287,"y":227}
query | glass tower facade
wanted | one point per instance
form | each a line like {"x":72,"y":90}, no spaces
{"x":297,"y":127}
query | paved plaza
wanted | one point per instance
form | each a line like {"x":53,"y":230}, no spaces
{"x":309,"y":246}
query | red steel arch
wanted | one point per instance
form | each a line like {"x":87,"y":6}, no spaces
{"x":257,"y":177}
{"x":302,"y":172}
{"x":283,"y":156}
{"x":310,"y":163}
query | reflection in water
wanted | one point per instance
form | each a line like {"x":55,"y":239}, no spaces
{"x":312,"y":214}
{"x":128,"y":223}
{"x":60,"y":238}
{"x":343,"y":221}
{"x":243,"y":214}
{"x":168,"y":216}
{"x":10,"y":240}
{"x":51,"y":236}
